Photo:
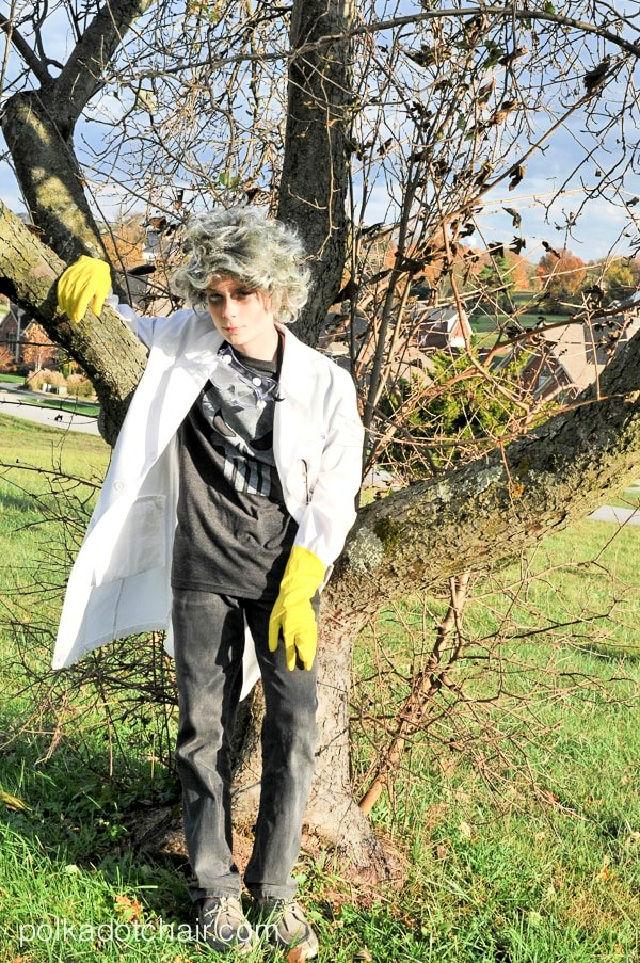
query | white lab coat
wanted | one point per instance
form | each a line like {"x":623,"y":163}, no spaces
{"x":120,"y":583}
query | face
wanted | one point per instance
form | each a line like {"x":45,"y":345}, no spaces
{"x":243,"y":316}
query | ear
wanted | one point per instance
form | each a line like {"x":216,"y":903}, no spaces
{"x":268,"y":301}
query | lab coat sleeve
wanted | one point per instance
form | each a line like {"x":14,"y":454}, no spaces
{"x":331,"y":510}
{"x":145,"y":327}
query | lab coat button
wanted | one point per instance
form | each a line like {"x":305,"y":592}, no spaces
{"x":118,"y":486}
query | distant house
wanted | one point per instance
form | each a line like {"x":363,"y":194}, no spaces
{"x":440,"y":327}
{"x":569,"y":357}
{"x":409,"y":360}
{"x":11,"y":331}
{"x":335,"y":340}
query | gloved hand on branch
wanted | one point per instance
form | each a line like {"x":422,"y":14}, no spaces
{"x":87,"y":280}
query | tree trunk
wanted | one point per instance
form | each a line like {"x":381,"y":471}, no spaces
{"x":38,"y":126}
{"x":316,"y":159}
{"x":53,"y":187}
{"x":312,"y":197}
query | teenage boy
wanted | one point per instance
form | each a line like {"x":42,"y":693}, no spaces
{"x":230,"y":493}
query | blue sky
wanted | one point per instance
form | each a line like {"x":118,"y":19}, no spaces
{"x":596,"y":234}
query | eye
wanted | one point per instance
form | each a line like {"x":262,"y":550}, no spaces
{"x":213,"y":298}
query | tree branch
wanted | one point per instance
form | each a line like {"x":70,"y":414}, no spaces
{"x":80,"y":78}
{"x":111,"y":355}
{"x":493,"y":508}
{"x":39,"y":69}
{"x":507,"y":12}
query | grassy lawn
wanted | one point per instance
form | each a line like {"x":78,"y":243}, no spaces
{"x":14,"y":379}
{"x":485,"y":329}
{"x":48,"y":448}
{"x":61,"y":403}
{"x":67,"y":404}
{"x":543,"y":869}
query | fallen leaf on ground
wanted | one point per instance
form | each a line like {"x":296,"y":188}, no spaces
{"x":11,"y":801}
{"x":128,"y":907}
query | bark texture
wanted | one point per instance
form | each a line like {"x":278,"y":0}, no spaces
{"x":111,"y":355}
{"x":315,"y":170}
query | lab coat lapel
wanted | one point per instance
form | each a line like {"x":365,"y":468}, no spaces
{"x":183,"y":380}
{"x":294,"y":390}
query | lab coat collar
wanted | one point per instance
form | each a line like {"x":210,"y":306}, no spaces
{"x":204,"y":344}
{"x":294,"y":376}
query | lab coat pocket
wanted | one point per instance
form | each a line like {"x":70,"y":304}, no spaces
{"x":310,"y":457}
{"x":141,"y":544}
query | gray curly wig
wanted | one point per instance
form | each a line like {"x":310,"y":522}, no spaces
{"x":263,"y":253}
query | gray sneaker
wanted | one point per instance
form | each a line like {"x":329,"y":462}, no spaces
{"x":284,"y":924}
{"x":222,"y":925}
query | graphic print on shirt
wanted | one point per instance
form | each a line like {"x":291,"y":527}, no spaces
{"x":241,"y":427}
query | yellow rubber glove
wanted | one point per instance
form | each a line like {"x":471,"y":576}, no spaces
{"x":293,"y":612}
{"x":87,"y":280}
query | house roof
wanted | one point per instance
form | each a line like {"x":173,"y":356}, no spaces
{"x":567,"y":344}
{"x":574,"y":346}
{"x":446,"y":314}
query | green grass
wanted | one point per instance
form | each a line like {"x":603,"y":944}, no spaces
{"x":61,"y":403}
{"x":485,"y":329}
{"x":14,"y":379}
{"x":521,"y":875}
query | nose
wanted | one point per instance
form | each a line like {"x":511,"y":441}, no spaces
{"x":227,"y":311}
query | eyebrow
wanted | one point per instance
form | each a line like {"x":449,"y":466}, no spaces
{"x":237,"y":287}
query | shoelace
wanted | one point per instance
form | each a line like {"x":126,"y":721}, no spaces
{"x":283,"y":906}
{"x":222,"y":903}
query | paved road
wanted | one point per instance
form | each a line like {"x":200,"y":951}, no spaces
{"x":623,"y":516}
{"x":12,"y":404}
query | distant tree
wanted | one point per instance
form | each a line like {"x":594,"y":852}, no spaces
{"x":622,"y":279}
{"x":124,"y":242}
{"x":523,"y":272}
{"x":39,"y":351}
{"x":6,"y":357}
{"x":561,"y":275}
{"x":497,"y":279}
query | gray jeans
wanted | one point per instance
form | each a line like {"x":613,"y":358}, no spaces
{"x":209,"y":642}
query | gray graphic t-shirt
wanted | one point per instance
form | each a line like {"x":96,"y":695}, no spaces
{"x":234,"y":532}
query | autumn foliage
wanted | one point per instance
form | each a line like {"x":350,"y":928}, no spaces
{"x":38,"y":351}
{"x":562,"y":274}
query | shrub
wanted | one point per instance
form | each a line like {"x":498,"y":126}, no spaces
{"x":79,"y":386}
{"x":37,"y":379}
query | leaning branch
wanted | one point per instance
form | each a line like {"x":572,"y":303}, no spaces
{"x":81,"y":77}
{"x":106,"y":348}
{"x":492,"y":509}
